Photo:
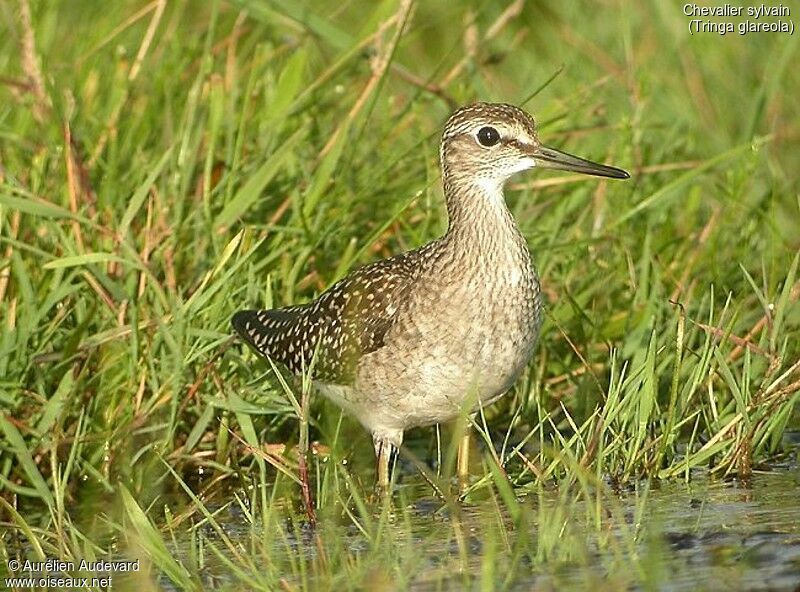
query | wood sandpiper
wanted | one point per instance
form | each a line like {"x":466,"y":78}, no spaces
{"x":421,"y":337}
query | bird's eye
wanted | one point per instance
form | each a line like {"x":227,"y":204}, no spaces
{"x":488,"y":136}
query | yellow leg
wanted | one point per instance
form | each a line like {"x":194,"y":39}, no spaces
{"x":462,"y":462}
{"x":386,"y":447}
{"x":382,"y":470}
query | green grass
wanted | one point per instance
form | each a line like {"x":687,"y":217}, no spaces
{"x":168,"y":164}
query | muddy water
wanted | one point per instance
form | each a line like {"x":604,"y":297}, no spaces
{"x":704,"y":535}
{"x":730,"y":536}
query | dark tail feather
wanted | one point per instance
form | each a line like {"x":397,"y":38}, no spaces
{"x":278,"y":334}
{"x":242,"y":322}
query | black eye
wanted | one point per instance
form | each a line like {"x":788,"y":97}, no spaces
{"x":488,"y":136}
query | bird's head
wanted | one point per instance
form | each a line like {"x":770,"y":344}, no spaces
{"x":489,"y":142}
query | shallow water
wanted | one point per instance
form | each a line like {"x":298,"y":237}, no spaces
{"x":702,"y":536}
{"x":730,"y":536}
{"x":705,"y":535}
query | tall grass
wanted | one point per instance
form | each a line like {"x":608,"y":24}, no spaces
{"x":164,"y":164}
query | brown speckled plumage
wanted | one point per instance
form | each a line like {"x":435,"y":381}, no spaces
{"x":414,"y":339}
{"x":347,"y":322}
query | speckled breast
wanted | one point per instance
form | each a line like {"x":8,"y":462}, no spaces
{"x":474,"y":340}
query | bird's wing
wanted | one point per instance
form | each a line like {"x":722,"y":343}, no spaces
{"x":346,"y":322}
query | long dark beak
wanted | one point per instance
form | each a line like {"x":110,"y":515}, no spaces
{"x":550,"y":158}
